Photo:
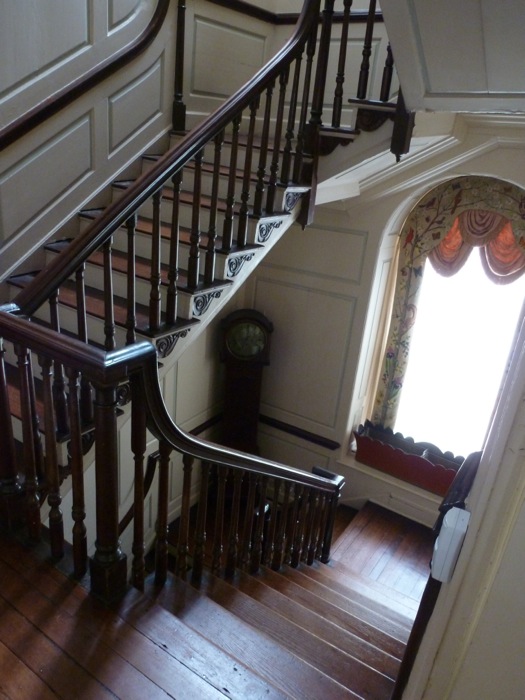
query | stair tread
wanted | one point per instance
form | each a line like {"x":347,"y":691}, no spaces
{"x":274,"y":662}
{"x":387,"y":621}
{"x":355,"y":621}
{"x":315,"y":623}
{"x":187,"y":197}
{"x":145,"y":226}
{"x":140,"y":635}
{"x":365,"y":680}
{"x":95,"y":299}
{"x":350,"y":584}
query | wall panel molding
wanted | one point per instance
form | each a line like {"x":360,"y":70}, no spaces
{"x":58,"y":32}
{"x":301,"y":362}
{"x":29,"y":186}
{"x":219,"y":45}
{"x":135,"y":105}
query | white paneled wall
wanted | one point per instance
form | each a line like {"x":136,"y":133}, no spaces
{"x":55,"y":170}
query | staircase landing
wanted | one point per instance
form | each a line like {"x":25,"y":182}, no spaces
{"x":335,"y":631}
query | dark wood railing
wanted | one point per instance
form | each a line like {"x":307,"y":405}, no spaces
{"x":285,"y":515}
{"x":180,"y":163}
{"x":276,"y":513}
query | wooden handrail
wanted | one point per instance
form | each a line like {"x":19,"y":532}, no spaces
{"x":139,"y":361}
{"x":69,"y":93}
{"x":246,"y":8}
{"x":115,"y":215}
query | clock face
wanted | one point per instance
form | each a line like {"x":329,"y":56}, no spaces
{"x":246,"y":339}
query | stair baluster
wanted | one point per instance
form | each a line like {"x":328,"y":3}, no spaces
{"x":323,"y":54}
{"x":209,"y":267}
{"x":184,"y":521}
{"x":260,"y":520}
{"x":28,"y":411}
{"x":274,"y":166}
{"x":131,"y":301}
{"x":263,"y":154}
{"x":227,"y":232}
{"x":246,"y":543}
{"x":299,"y":149}
{"x":233,"y":537}
{"x":281,"y":516}
{"x":86,"y":393}
{"x":138,"y":447}
{"x":195,"y":235}
{"x":318,"y":500}
{"x":173,"y":269}
{"x":59,"y":393}
{"x":10,"y":485}
{"x":388,"y":72}
{"x":270,"y":535}
{"x":56,"y":524}
{"x":300,"y":513}
{"x":340,"y":78}
{"x":218,"y":534}
{"x":161,"y":545}
{"x":179,"y":108}
{"x":242,"y":226}
{"x":155,"y":298}
{"x":200,"y":527}
{"x":78,"y":511}
{"x":364,"y":72}
{"x":290,"y":125}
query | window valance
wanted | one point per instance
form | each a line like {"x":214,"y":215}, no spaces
{"x":450,"y":220}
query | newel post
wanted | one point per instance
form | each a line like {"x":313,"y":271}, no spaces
{"x":108,"y":566}
{"x":179,"y":108}
{"x":10,"y":487}
{"x":331,"y":506}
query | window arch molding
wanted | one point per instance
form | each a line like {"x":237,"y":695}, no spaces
{"x":427,"y":224}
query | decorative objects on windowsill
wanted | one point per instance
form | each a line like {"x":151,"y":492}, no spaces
{"x":419,"y":463}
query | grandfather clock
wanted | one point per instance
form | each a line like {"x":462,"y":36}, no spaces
{"x":245,"y":349}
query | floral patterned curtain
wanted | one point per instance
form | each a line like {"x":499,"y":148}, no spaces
{"x":445,"y":225}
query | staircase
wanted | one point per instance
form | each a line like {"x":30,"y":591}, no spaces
{"x":324,"y":631}
{"x":126,"y":287}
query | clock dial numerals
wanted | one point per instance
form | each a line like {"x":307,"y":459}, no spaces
{"x":246,"y":339}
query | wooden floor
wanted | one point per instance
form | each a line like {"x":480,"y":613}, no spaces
{"x":386,"y":548}
{"x":56,"y":641}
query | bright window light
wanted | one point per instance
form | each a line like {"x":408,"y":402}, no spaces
{"x":461,"y":343}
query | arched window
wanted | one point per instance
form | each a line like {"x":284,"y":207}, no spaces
{"x":444,"y":227}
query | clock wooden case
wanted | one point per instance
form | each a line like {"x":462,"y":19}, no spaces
{"x":245,"y":349}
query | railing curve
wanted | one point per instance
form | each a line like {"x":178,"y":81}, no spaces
{"x":305,"y":532}
{"x":114,"y":216}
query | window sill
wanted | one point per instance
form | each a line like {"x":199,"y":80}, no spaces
{"x":418,"y":464}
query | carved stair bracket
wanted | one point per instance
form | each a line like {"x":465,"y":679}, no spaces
{"x":331,"y":138}
{"x":202,"y":302}
{"x":370,"y":120}
{"x":236,"y":264}
{"x":166,"y":345}
{"x":293,"y":196}
{"x":266,"y":228}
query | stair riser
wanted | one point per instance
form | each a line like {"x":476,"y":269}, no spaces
{"x":166,"y":212}
{"x":188,"y":182}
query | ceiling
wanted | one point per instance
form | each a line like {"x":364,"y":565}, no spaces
{"x":459,"y":56}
